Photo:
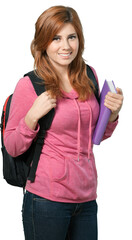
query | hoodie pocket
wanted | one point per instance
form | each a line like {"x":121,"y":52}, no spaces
{"x":58,"y":169}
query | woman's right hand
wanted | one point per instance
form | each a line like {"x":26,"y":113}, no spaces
{"x":41,"y":106}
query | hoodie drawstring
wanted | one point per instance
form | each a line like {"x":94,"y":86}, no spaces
{"x":90,"y":133}
{"x":79,"y":129}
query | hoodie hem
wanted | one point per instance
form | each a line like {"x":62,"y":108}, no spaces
{"x":51,"y":198}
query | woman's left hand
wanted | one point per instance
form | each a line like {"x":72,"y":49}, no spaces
{"x":114,"y":102}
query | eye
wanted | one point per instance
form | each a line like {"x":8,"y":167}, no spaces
{"x":72,"y":36}
{"x":56,"y":38}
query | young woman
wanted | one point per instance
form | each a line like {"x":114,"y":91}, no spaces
{"x":61,"y":202}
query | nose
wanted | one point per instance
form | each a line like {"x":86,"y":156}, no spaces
{"x":65,"y":44}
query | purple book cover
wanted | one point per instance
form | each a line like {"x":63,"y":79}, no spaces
{"x":104,"y":114}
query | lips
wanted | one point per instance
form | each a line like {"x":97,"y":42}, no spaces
{"x":65,"y":54}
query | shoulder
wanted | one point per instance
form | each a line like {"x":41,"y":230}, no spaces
{"x":24,"y":84}
{"x":25,"y":90}
{"x":24,"y":93}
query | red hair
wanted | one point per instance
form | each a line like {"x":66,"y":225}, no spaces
{"x":49,"y":23}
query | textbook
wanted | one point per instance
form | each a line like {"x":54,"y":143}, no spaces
{"x":104,"y":114}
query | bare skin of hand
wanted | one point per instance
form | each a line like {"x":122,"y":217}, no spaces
{"x":41,"y":106}
{"x":114,"y":102}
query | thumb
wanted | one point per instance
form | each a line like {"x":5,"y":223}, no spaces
{"x":119,"y":91}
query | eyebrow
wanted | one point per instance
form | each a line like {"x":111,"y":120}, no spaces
{"x":71,"y":34}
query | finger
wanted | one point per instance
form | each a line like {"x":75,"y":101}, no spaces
{"x":110,"y":103}
{"x":115,"y":95}
{"x":53,"y":100}
{"x":113,"y":100}
{"x":49,"y":95}
{"x":114,"y":103}
{"x":46,"y":93}
{"x":53,"y":104}
{"x":112,"y":107}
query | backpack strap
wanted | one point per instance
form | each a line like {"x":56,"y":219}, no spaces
{"x":37,"y":82}
{"x":93,"y":79}
{"x":35,"y":154}
{"x":44,"y":122}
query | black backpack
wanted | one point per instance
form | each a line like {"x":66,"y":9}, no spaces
{"x":16,"y":170}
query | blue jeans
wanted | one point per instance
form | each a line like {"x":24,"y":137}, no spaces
{"x":47,"y":220}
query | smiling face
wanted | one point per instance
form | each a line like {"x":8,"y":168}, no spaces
{"x":64,"y":47}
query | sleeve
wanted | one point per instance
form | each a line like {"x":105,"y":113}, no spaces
{"x":18,"y":137}
{"x":110,"y":129}
{"x":111,"y":125}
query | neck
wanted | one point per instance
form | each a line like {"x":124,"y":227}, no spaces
{"x":65,"y":84}
{"x":62,"y":71}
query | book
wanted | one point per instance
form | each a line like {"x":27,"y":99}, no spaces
{"x":104,"y":113}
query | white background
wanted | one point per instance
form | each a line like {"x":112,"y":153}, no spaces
{"x":107,"y":26}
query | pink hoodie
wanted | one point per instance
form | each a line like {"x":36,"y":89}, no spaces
{"x":66,"y":171}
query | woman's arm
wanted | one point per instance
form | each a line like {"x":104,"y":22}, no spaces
{"x":114,"y":103}
{"x":18,"y":136}
{"x":25,"y":111}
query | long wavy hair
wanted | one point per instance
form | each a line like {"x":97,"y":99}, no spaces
{"x":49,"y":23}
